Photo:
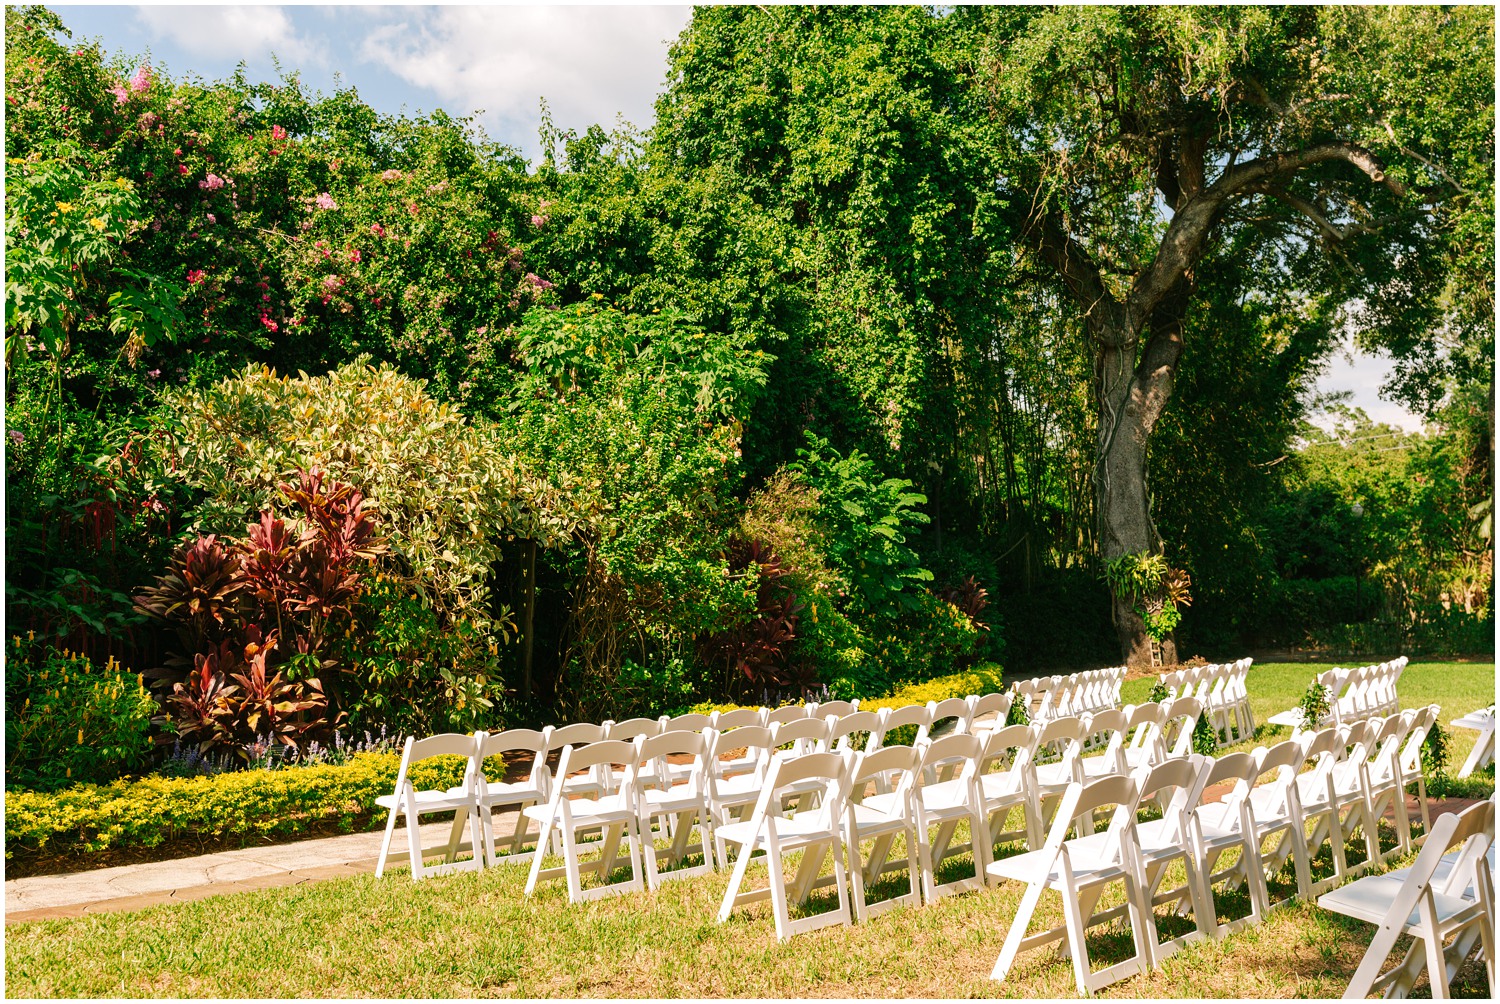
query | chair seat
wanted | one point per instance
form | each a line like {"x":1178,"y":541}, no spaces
{"x":678,"y":799}
{"x":1053,"y":775}
{"x":1158,"y":841}
{"x":944,"y":798}
{"x":588,"y":811}
{"x":1220,"y":823}
{"x":430,"y":801}
{"x":1138,"y":756}
{"x":996,"y":787}
{"x":789,"y":832}
{"x":869,"y":821}
{"x":501,"y":793}
{"x":1370,"y":898}
{"x":1097,"y":766}
{"x":1087,"y":855}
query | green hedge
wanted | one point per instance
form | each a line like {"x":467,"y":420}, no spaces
{"x":256,"y":803}
{"x":980,"y":680}
{"x":250,"y":803}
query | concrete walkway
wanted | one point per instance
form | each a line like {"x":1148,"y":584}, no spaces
{"x":135,"y":887}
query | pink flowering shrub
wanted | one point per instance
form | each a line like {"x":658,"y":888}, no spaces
{"x":325,"y":201}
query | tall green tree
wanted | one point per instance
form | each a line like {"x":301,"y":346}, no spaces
{"x":1138,"y":143}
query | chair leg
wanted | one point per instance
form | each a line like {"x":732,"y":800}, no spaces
{"x":648,"y":849}
{"x":536,"y":858}
{"x":460,"y":821}
{"x":570,"y":865}
{"x":385,"y":844}
{"x":856,"y":875}
{"x":1017,"y":932}
{"x":414,"y":843}
{"x":736,"y":879}
{"x":1077,"y":946}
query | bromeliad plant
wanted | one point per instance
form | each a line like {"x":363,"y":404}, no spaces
{"x":282,"y":592}
{"x":1156,"y":590}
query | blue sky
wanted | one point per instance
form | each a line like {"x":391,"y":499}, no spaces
{"x":592,"y":64}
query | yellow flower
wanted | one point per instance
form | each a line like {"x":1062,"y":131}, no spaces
{"x":65,"y":207}
{"x":96,"y":223}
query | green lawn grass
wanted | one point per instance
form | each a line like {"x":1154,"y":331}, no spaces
{"x":477,"y":934}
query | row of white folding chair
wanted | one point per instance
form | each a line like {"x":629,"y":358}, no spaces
{"x":1224,"y":692}
{"x":1368,"y":690}
{"x":1261,"y":805}
{"x":1357,"y":772}
{"x":1049,"y":697}
{"x":1273,"y":799}
{"x":1448,"y":892}
{"x":479,"y":795}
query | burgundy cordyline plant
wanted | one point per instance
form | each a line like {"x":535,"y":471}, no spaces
{"x":253,"y":618}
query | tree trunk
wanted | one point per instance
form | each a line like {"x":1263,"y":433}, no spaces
{"x":1131,"y":394}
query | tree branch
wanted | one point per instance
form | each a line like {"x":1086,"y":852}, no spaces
{"x":1080,"y":273}
{"x":1184,"y":241}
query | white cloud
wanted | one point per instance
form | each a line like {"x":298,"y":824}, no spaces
{"x":238,"y":32}
{"x":590,"y":63}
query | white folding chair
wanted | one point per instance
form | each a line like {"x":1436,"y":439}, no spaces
{"x":407,"y":800}
{"x":1000,"y":791}
{"x":594,"y":781}
{"x":1176,"y":785}
{"x":1276,"y":812}
{"x":1080,"y":870}
{"x":489,"y":795}
{"x":613,"y":814}
{"x":1182,"y":716}
{"x":690,"y":722}
{"x":1384,"y":781}
{"x":731,"y":797}
{"x":787,"y":713}
{"x":1223,"y":826}
{"x":1319,"y":808}
{"x":882,"y":825}
{"x":1144,"y":723}
{"x":1409,"y":760}
{"x":679,"y":806}
{"x":816,"y":832}
{"x":988,"y":712}
{"x":945,"y":804}
{"x":1428,"y":908}
{"x":836,"y":708}
{"x":939,"y":712}
{"x":1062,"y":739}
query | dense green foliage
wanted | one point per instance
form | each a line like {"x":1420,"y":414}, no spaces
{"x":795,"y":390}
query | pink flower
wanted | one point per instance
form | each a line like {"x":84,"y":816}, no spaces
{"x":270,"y":324}
{"x":121,"y":94}
{"x":182,"y":169}
{"x":194,"y":276}
{"x":265,"y":297}
{"x":332,"y":282}
{"x":377,"y":229}
{"x":212,"y":183}
{"x":537,"y":282}
{"x":354,"y":255}
{"x":277,"y":132}
{"x":391,"y":175}
{"x":212,"y":218}
{"x":153,"y":374}
{"x":142,"y":80}
{"x":325,"y":201}
{"x":177,"y":152}
{"x":537,"y":221}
